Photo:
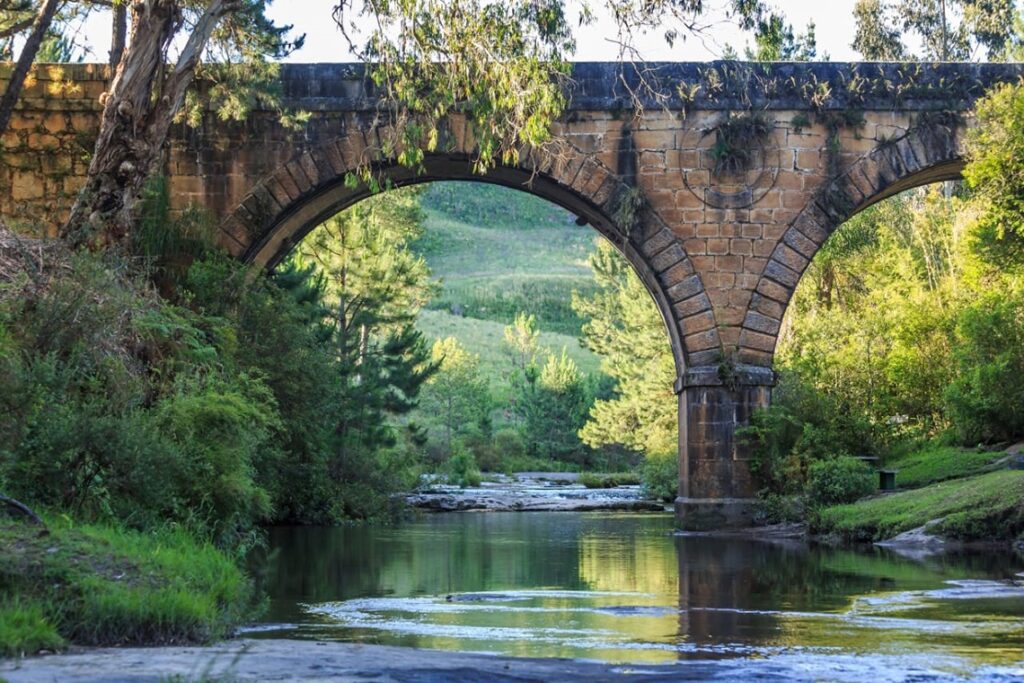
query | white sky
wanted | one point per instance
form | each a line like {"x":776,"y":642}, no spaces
{"x":833,"y":19}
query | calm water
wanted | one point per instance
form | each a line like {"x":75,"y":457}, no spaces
{"x":622,"y":588}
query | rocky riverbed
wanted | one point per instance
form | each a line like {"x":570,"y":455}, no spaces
{"x":532,"y":492}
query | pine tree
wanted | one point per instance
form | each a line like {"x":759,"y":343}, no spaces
{"x":624,"y":327}
{"x":374,"y":286}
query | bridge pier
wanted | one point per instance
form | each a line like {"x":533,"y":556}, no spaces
{"x":720,"y":242}
{"x":716,"y":488}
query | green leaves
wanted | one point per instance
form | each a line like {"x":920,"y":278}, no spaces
{"x":624,"y":327}
{"x":495,"y":67}
{"x":995,"y":174}
{"x":948,"y":30}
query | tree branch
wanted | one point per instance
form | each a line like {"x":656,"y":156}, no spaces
{"x":188,"y":60}
{"x":25,"y":60}
{"x":21,"y":509}
{"x":120,"y":32}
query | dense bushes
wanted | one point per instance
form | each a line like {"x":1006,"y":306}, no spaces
{"x":907,"y":328}
{"x":217,"y":403}
{"x":802,"y":428}
{"x":119,"y":404}
{"x":660,"y":477}
{"x":838,"y":480}
{"x":986,"y":399}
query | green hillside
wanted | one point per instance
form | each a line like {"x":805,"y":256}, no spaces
{"x":498,"y":251}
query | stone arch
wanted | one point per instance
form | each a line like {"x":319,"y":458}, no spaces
{"x":299,"y":195}
{"x":929,"y":152}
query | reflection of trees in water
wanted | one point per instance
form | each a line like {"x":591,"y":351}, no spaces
{"x":727,"y":586}
{"x":602,"y":552}
{"x":434,"y":555}
{"x":639,"y":563}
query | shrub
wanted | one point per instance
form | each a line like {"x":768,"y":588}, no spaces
{"x":838,"y":480}
{"x":487,"y":457}
{"x":593,"y":480}
{"x":661,"y":477}
{"x":986,"y":400}
{"x":508,"y":444}
{"x":774,"y":508}
{"x":802,"y":427}
{"x":461,"y":468}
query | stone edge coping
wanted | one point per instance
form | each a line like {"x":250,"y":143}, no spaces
{"x":720,"y":85}
{"x":720,"y":376}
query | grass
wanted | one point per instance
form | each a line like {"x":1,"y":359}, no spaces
{"x":455,"y":249}
{"x":984,"y":507}
{"x":500,"y":297}
{"x":594,"y":480}
{"x":97,"y":585}
{"x":24,"y":628}
{"x":499,"y":251}
{"x":940,"y":463}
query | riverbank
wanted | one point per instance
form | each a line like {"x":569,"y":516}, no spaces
{"x":97,"y":585}
{"x":987,"y":507}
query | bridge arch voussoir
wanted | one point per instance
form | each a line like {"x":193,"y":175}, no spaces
{"x":929,"y":152}
{"x":318,"y":183}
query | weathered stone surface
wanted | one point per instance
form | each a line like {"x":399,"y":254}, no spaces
{"x":721,"y":255}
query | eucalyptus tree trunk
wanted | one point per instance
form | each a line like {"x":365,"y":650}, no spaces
{"x":28,"y":55}
{"x":141,"y":103}
{"x":119,"y":34}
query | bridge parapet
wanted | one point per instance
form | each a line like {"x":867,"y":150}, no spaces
{"x":742,"y":171}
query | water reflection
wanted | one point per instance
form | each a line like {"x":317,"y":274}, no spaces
{"x":621,"y":587}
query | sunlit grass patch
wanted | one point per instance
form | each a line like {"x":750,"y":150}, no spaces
{"x":98,"y":585}
{"x":24,"y":629}
{"x":983,"y":507}
{"x":940,"y":463}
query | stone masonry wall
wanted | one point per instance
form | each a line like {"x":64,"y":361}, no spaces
{"x":720,"y":246}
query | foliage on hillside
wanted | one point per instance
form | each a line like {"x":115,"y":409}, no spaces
{"x":497,"y":252}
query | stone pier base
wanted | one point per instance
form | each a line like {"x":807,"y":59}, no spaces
{"x":716,"y":490}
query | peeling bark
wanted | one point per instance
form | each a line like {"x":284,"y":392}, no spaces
{"x":141,"y":103}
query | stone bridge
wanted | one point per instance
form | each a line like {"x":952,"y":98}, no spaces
{"x":743,"y":171}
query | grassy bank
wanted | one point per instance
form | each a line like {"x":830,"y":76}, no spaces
{"x":96,"y":585}
{"x":941,"y":463}
{"x":985,"y":507}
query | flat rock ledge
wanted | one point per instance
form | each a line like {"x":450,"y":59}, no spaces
{"x":300,"y":660}
{"x":454,"y":502}
{"x":531,"y":492}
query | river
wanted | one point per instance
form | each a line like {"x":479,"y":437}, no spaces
{"x":622,"y":588}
